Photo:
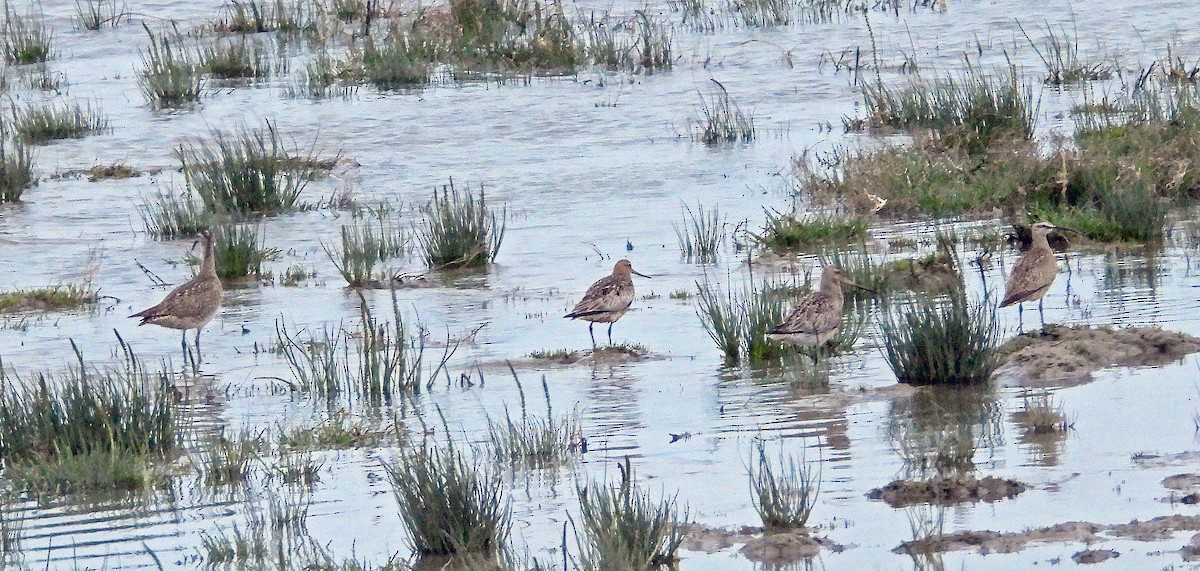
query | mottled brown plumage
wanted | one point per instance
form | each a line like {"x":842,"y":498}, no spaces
{"x":608,"y":299}
{"x":1034,"y":273}
{"x":817,"y":317}
{"x":193,"y":304}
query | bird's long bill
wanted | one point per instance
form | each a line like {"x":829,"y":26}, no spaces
{"x":1071,"y":230}
{"x":864,"y":288}
{"x":640,"y":274}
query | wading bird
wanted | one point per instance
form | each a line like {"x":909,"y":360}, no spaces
{"x":608,"y":299}
{"x":1034,"y":273}
{"x":817,"y":317}
{"x":193,"y":304}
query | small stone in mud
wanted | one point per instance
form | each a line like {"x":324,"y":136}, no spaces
{"x":1061,"y":352}
{"x":947,"y":490}
{"x":1088,"y":556}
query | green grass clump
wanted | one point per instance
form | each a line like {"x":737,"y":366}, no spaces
{"x":384,"y":365}
{"x":240,"y":251}
{"x":723,"y":120}
{"x":94,"y":429}
{"x":788,"y":232}
{"x":95,"y":14}
{"x":112,"y":171}
{"x":227,"y":460}
{"x":37,"y":125}
{"x":738,"y":322}
{"x":765,"y":13}
{"x":785,"y":491}
{"x":363,"y":247}
{"x":170,"y":75}
{"x":338,"y":431}
{"x":238,"y":59}
{"x":552,"y":354}
{"x":170,"y":215}
{"x":251,"y":171}
{"x":460,"y":231}
{"x":16,"y":168}
{"x":55,"y":298}
{"x":625,"y":528}
{"x":449,"y":503}
{"x":701,"y":234}
{"x":250,"y":17}
{"x":1060,"y":54}
{"x":1041,"y":415}
{"x":973,"y":111}
{"x":534,"y":442}
{"x":25,"y":38}
{"x":949,"y":342}
{"x":398,"y":61}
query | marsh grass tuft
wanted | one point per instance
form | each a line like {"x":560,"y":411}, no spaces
{"x":398,"y":61}
{"x":94,"y":429}
{"x":16,"y":168}
{"x":339,"y":430}
{"x":95,"y":14}
{"x":225,"y":460}
{"x":236,"y":59}
{"x":170,"y":75}
{"x":949,"y":342}
{"x":973,"y":111}
{"x":534,"y":442}
{"x":765,"y":13}
{"x":252,"y":171}
{"x":789,"y":232}
{"x":41,"y":124}
{"x":701,"y":234}
{"x":1060,"y":54}
{"x":460,"y":231}
{"x":738,"y":322}
{"x":723,"y":120}
{"x":251,"y":17}
{"x":241,"y":251}
{"x":70,"y":296}
{"x":625,"y":528}
{"x":386,"y":363}
{"x":1041,"y":415}
{"x":449,"y":503}
{"x":784,"y":491}
{"x":363,"y":246}
{"x":25,"y":38}
{"x":170,"y":215}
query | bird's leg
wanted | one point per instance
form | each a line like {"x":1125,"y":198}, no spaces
{"x":1020,"y":318}
{"x":197,"y":343}
{"x":592,"y":335}
{"x":1042,"y":314}
{"x":183,"y":343}
{"x":610,"y":334}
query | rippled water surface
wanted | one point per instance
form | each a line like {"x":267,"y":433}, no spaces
{"x":585,"y":165}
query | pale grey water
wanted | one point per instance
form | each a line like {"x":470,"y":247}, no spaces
{"x":574,"y":172}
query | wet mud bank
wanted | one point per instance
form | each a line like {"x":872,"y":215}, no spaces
{"x":1072,"y":353}
{"x":947,"y":490}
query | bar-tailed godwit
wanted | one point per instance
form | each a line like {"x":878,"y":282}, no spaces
{"x":608,"y":299}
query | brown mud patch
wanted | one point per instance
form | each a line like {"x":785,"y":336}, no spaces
{"x":1089,"y":556}
{"x":1157,"y":529}
{"x":1072,"y":353}
{"x":761,"y":546}
{"x":947,"y":490}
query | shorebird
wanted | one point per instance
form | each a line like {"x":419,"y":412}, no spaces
{"x":193,"y":304}
{"x":817,"y":317}
{"x":608,"y":299}
{"x":1033,"y":274}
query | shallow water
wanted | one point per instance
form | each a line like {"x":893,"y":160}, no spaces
{"x":581,"y":176}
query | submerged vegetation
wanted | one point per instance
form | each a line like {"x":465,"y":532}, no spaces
{"x":529,"y":441}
